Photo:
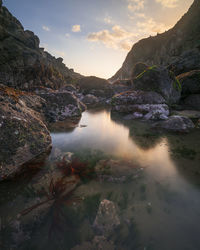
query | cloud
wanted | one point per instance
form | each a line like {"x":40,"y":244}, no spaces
{"x":136,"y":5}
{"x":117,"y":38}
{"x":168,"y":3}
{"x":76,"y":28}
{"x":45,"y":28}
{"x":151,"y":27}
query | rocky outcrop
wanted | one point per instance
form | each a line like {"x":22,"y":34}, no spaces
{"x":23,"y":133}
{"x":176,"y":124}
{"x":160,"y":80}
{"x":164,"y":48}
{"x":24,"y":65}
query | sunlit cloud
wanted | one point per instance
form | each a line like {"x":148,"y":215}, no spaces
{"x":76,"y":28}
{"x":151,"y":27}
{"x":168,"y":3}
{"x":46,"y":28}
{"x":136,"y":5}
{"x":117,"y":38}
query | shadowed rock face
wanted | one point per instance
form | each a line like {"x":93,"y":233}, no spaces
{"x":23,"y":134}
{"x":23,"y":64}
{"x":164,"y":48}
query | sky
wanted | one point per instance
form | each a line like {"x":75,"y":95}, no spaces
{"x":94,"y":36}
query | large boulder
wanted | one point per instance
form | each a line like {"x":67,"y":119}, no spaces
{"x":160,"y":80}
{"x":23,"y":134}
{"x":176,"y":124}
{"x":62,"y":105}
{"x":190,"y":82}
{"x":90,"y":100}
{"x":192,"y":101}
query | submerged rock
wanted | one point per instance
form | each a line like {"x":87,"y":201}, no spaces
{"x":23,"y":133}
{"x":106,"y":219}
{"x":176,"y":124}
{"x":90,"y":99}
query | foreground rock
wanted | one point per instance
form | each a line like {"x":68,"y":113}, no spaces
{"x":107,"y":219}
{"x":23,"y":133}
{"x":176,"y":124}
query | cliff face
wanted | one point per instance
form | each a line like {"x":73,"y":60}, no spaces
{"x":164,"y":48}
{"x":23,"y":64}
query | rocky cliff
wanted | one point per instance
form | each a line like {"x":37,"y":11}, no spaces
{"x":164,"y":48}
{"x":23,"y":64}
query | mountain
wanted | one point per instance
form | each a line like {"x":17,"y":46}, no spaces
{"x":164,"y":48}
{"x":23,"y":64}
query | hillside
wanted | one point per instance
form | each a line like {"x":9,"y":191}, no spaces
{"x":166,"y":47}
{"x":23,"y":64}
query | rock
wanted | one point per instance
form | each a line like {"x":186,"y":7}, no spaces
{"x":160,"y":80}
{"x":167,"y":47}
{"x":186,"y":62}
{"x":106,"y":219}
{"x":192,"y":101}
{"x":176,"y":124}
{"x":23,"y":133}
{"x":192,"y":114}
{"x":190,"y":82}
{"x":96,"y":86}
{"x":135,"y":115}
{"x":138,"y":69}
{"x":62,"y":105}
{"x":24,"y":65}
{"x":90,"y":99}
{"x":146,"y":111}
{"x":137,"y":97}
{"x":99,"y":243}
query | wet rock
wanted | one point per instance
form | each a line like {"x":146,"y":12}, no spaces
{"x":192,"y":114}
{"x":23,"y":133}
{"x":160,"y":80}
{"x":190,"y":82}
{"x":192,"y":101}
{"x":106,"y":219}
{"x":176,"y":124}
{"x":62,"y":105}
{"x":146,"y":111}
{"x":137,"y":97}
{"x":90,"y":99}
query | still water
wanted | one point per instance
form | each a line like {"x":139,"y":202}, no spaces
{"x":151,"y":180}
